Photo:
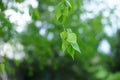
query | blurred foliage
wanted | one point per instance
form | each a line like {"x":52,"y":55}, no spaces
{"x":115,"y":76}
{"x":44,"y":59}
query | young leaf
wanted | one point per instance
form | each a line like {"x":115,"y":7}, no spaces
{"x":65,"y":45}
{"x":69,"y":30}
{"x":76,"y":47}
{"x":71,"y":51}
{"x":57,"y":12}
{"x":65,"y":11}
{"x":68,"y":3}
{"x":71,"y":38}
{"x":72,"y":2}
{"x":63,"y":35}
{"x":62,"y":18}
{"x":64,"y":15}
{"x":64,"y":42}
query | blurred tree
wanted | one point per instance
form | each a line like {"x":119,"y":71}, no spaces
{"x":40,"y":37}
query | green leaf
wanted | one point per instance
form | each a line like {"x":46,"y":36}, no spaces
{"x":68,"y":3}
{"x":65,"y":11}
{"x":69,"y":30}
{"x":57,"y":13}
{"x":65,"y":45}
{"x":64,"y":42}
{"x":71,"y":51}
{"x":64,"y":15}
{"x":71,"y":38}
{"x":73,"y":4}
{"x":63,"y":35}
{"x":62,"y":18}
{"x":76,"y":47}
{"x":58,"y":10}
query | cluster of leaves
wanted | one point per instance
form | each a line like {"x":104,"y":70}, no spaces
{"x":69,"y":39}
{"x":69,"y":42}
{"x":62,"y":10}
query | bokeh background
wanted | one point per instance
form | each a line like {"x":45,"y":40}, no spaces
{"x":31,"y":45}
